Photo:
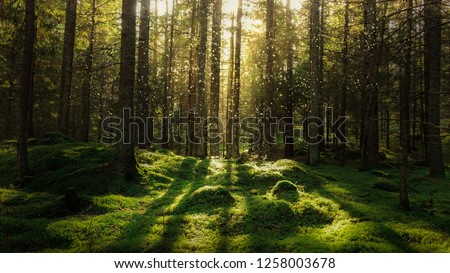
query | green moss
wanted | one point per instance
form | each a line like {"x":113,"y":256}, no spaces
{"x":183,"y":204}
{"x":286,"y":190}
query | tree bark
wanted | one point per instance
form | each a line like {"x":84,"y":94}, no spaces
{"x":314,"y":148}
{"x":87,"y":80}
{"x":125,"y":161}
{"x":229,"y":113}
{"x":2,"y":4}
{"x":433,"y":36}
{"x":343,"y":98}
{"x":24,"y":95}
{"x":142,"y":86}
{"x":269,"y":80}
{"x":237,"y":83}
{"x":289,"y":134}
{"x":404,"y":111}
{"x":67,"y":67}
{"x":215,"y":76}
{"x":192,"y":86}
{"x":201,"y":81}
{"x":369,"y":149}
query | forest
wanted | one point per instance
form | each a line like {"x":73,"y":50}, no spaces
{"x":225,"y":126}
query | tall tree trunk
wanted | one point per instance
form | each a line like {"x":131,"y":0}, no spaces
{"x":67,"y":67}
{"x":142,"y":86}
{"x":87,"y":80}
{"x":369,"y":149}
{"x":30,"y":117}
{"x":405,"y":89}
{"x":170,"y":96}
{"x":269,"y":79}
{"x":237,"y":83}
{"x":289,"y":134}
{"x":229,"y":113}
{"x":154,"y":78}
{"x":201,"y":82}
{"x":168,"y":53}
{"x":192,"y":86}
{"x":314,"y":148}
{"x":215,"y":76}
{"x":2,"y":4}
{"x":24,"y":95}
{"x":433,"y":36}
{"x":125,"y":161}
{"x":343,"y":98}
{"x":321,"y":72}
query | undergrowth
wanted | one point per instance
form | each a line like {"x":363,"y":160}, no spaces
{"x":184,"y":204}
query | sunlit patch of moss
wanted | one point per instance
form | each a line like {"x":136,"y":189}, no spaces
{"x":286,"y":190}
{"x":86,"y":234}
{"x":197,"y":233}
{"x":316,"y":210}
{"x":270,"y":214}
{"x":208,"y":197}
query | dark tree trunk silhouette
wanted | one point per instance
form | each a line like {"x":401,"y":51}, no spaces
{"x":25,"y":88}
{"x":343,"y":97}
{"x":229,"y":113}
{"x":87,"y":80}
{"x":190,"y":145}
{"x":2,"y":5}
{"x":405,"y":89}
{"x":369,"y":144}
{"x":215,"y":76}
{"x":125,"y":161}
{"x":289,"y":134}
{"x":433,"y":43}
{"x":314,"y":112}
{"x":269,"y":80}
{"x":142,"y":85}
{"x":237,"y":83}
{"x":201,"y":81}
{"x":67,"y":67}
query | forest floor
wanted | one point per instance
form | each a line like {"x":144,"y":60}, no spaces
{"x":184,"y":204}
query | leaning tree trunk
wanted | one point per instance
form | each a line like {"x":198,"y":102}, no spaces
{"x":125,"y":160}
{"x":67,"y":67}
{"x":24,"y":95}
{"x":433,"y":36}
{"x":215,"y":77}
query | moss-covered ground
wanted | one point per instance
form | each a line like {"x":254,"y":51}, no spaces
{"x":184,"y":204}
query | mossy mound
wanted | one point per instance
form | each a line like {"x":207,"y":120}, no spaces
{"x":286,"y":190}
{"x":210,"y":197}
{"x":387,"y":185}
{"x":317,"y":212}
{"x":269,"y":214}
{"x":51,"y":139}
